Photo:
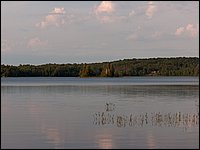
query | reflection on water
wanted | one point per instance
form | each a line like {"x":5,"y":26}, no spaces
{"x":52,"y":134}
{"x":151,"y":141}
{"x":182,"y":92}
{"x":105,"y":141}
{"x":178,"y":119}
{"x":152,"y":119}
{"x":106,"y":116}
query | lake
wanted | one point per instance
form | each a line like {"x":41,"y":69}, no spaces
{"x":128,"y":112}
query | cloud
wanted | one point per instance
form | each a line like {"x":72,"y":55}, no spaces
{"x":55,"y":18}
{"x":131,"y":13}
{"x":189,"y":30}
{"x":105,"y":7}
{"x":36,"y":42}
{"x":5,"y":46}
{"x":193,"y":31}
{"x":150,"y":3}
{"x":151,"y":9}
{"x":104,"y":12}
{"x":59,"y":11}
{"x":179,"y":30}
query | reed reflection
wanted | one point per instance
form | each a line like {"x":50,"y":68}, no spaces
{"x":177,"y":119}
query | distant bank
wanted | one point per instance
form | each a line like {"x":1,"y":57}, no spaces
{"x":176,"y":66}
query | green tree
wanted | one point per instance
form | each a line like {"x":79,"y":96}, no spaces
{"x":85,"y":71}
{"x":108,"y":71}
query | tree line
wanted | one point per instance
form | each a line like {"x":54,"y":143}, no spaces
{"x":177,"y":66}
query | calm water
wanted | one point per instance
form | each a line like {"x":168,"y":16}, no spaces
{"x":131,"y":112}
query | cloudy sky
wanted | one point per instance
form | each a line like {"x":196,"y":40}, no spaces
{"x":97,"y":31}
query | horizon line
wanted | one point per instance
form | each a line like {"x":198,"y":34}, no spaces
{"x":103,"y":61}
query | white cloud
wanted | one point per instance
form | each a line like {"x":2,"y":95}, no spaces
{"x":5,"y":46}
{"x":189,"y":30}
{"x":59,"y":11}
{"x":151,"y":9}
{"x":104,"y":12}
{"x":55,"y":18}
{"x":131,"y":13}
{"x":179,"y":30}
{"x":192,"y":30}
{"x":36,"y":42}
{"x":150,"y":3}
{"x":105,"y":7}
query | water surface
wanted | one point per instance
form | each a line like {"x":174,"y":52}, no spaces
{"x":131,"y":112}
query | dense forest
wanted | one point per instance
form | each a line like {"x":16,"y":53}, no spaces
{"x":179,"y":66}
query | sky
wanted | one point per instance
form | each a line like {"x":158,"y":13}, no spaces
{"x":40,"y":32}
